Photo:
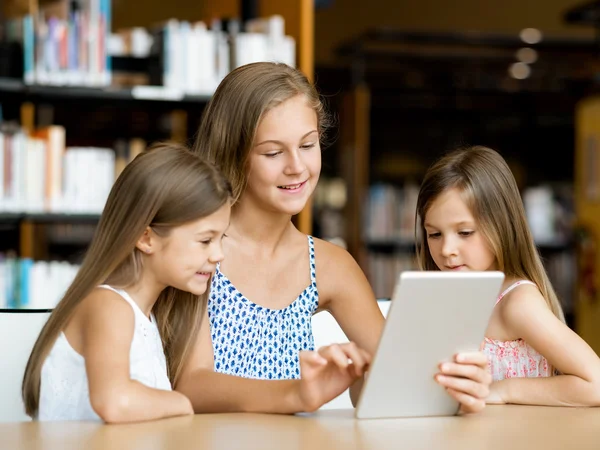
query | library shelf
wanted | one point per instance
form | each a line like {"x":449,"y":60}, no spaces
{"x":137,"y":93}
{"x":9,"y":217}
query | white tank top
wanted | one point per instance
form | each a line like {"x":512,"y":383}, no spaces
{"x":64,"y":392}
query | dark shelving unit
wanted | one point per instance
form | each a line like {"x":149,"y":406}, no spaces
{"x":9,"y":86}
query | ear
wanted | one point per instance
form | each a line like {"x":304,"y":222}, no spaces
{"x":146,"y":242}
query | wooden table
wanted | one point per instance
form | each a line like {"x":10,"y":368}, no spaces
{"x":498,"y":427}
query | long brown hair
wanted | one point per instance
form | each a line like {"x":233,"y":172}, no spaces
{"x":245,"y":95}
{"x":163,"y":187}
{"x":491,"y":192}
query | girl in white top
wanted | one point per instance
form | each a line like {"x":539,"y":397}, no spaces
{"x":117,"y":340}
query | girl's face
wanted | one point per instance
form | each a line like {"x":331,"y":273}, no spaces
{"x":187,"y":257}
{"x":453,"y":237}
{"x":285,"y":159}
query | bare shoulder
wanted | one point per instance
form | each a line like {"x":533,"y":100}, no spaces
{"x":333,"y":257}
{"x":103,"y":307}
{"x":102,"y":311}
{"x":339,"y":277}
{"x":105,"y":302}
{"x":518,"y":306}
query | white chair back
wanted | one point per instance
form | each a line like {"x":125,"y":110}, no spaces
{"x":19,"y":329}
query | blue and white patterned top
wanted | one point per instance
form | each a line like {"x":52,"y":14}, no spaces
{"x":252,"y":341}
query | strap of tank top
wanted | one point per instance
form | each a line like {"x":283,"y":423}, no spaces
{"x":311,"y":260}
{"x":126,"y":297}
{"x":512,"y":286}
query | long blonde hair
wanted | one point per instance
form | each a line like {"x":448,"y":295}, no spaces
{"x":491,"y":192}
{"x":163,"y":187}
{"x":230,"y":119}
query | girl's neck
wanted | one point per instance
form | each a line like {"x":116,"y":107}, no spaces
{"x":145,"y":292}
{"x":264,"y":228}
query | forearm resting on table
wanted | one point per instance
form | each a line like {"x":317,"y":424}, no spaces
{"x":135,"y":402}
{"x":560,"y":390}
{"x":212,"y":392}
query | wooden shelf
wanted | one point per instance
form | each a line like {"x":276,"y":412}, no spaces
{"x":142,"y":93}
{"x":23,"y":311}
{"x":48,"y":218}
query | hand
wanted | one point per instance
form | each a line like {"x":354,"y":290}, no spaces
{"x":497,"y":394}
{"x":466,"y":379}
{"x":327,"y":373}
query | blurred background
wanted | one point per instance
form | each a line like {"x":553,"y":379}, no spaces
{"x":85,"y":85}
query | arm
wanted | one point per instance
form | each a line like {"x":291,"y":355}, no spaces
{"x":322,"y":380}
{"x":107,"y":324}
{"x":350,"y":299}
{"x":345,"y":292}
{"x":525,"y":314}
{"x":210,"y":391}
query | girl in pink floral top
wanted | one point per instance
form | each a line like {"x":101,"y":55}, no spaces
{"x":471,"y":217}
{"x":514,"y":358}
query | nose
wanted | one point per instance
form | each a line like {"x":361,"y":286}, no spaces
{"x":216,"y":255}
{"x":295,"y":164}
{"x":449,"y":246}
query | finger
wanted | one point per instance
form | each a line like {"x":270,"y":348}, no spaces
{"x":475,"y":358}
{"x":357,"y":359}
{"x":335,"y":354}
{"x":366,"y":358}
{"x":468,"y":404}
{"x":351,"y":370}
{"x":356,"y":356}
{"x":469,"y":371}
{"x":464,"y":385}
{"x":366,"y":355}
{"x":360,"y":370}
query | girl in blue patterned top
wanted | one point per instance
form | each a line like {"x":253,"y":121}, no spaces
{"x":263,"y":128}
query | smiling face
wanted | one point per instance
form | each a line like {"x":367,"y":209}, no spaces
{"x":285,"y":159}
{"x":187,"y":256}
{"x":454,"y":239}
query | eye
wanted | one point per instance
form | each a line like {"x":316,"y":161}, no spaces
{"x":272,"y":154}
{"x":206,"y":241}
{"x":465,"y":233}
{"x":433,"y":235}
{"x":308,"y":146}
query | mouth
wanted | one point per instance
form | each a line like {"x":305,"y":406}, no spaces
{"x":204,"y":274}
{"x":455,"y":267}
{"x":292,"y":187}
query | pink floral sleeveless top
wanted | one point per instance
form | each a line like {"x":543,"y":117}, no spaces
{"x":514,"y":359}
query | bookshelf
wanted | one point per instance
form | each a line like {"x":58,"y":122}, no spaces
{"x":31,"y":92}
{"x":117,"y":116}
{"x":299,"y":22}
{"x":409,"y":96}
{"x":587,"y":185}
{"x":15,"y":218}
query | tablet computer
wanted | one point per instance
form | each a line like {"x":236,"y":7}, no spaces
{"x":433,"y":315}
